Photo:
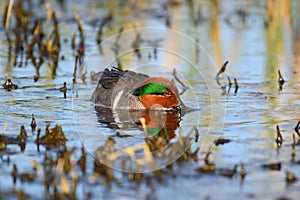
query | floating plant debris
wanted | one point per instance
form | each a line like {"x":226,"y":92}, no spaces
{"x":26,"y":177}
{"x":242,"y":171}
{"x":9,"y":85}
{"x":290,"y":177}
{"x":228,"y":172}
{"x":221,"y":141}
{"x":272,"y":166}
{"x":53,"y":136}
{"x":208,"y":167}
{"x":21,"y":139}
{"x":23,"y":134}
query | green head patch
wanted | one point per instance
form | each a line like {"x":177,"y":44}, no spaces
{"x":151,"y":88}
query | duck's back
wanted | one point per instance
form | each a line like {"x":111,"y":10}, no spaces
{"x":112,"y":82}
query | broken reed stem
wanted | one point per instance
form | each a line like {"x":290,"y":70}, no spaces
{"x":223,"y":68}
{"x":236,"y":85}
{"x":221,"y":71}
{"x":280,"y":79}
{"x":75,"y":69}
{"x":279,"y":138}
{"x":80,"y":23}
{"x":178,"y":80}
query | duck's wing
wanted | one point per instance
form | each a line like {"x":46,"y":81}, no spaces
{"x":112,"y":82}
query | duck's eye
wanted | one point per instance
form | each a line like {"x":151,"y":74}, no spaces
{"x":136,"y":93}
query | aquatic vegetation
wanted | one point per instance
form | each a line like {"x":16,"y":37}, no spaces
{"x":54,"y":136}
{"x":32,"y":38}
{"x":272,"y":166}
{"x":33,"y":123}
{"x":235,"y":85}
{"x":43,"y":50}
{"x":290,"y":177}
{"x":221,"y":71}
{"x":222,"y":84}
{"x":2,"y":143}
{"x":64,"y":89}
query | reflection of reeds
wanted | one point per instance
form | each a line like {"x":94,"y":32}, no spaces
{"x":8,"y":14}
{"x":80,"y":46}
{"x":154,"y":150}
{"x":278,"y":21}
{"x":215,"y":32}
{"x":277,"y":56}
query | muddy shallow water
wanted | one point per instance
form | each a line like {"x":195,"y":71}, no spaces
{"x":258,"y":38}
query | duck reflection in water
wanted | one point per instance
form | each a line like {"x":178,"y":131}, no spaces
{"x":123,"y":97}
{"x":157,"y":122}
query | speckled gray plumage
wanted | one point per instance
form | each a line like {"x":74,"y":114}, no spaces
{"x":115,"y":88}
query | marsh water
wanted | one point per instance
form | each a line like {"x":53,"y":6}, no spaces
{"x":258,"y":38}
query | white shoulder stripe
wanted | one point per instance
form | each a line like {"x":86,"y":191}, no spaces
{"x":117,"y":99}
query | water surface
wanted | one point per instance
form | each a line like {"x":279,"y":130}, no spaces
{"x":240,"y":32}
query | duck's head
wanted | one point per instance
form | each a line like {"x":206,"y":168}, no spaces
{"x":157,"y":92}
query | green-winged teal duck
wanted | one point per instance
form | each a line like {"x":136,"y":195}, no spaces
{"x":124,"y":89}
